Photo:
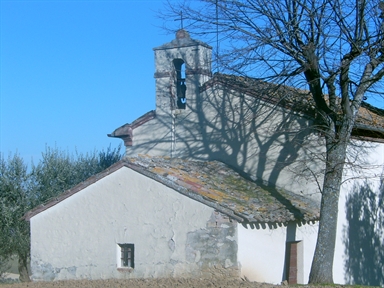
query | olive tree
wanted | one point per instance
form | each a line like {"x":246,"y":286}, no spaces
{"x":333,"y":48}
{"x":59,"y":170}
{"x":14,"y":202}
{"x":22,"y":189}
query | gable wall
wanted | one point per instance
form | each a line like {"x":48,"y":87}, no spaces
{"x":78,"y":237}
{"x":268,"y":143}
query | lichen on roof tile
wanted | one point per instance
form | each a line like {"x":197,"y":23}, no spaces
{"x":222,"y":187}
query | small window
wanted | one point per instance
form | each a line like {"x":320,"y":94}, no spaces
{"x":127,"y":255}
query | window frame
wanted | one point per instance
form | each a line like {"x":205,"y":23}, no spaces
{"x":126,"y":256}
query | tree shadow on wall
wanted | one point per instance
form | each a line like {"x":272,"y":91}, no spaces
{"x":364,"y":236}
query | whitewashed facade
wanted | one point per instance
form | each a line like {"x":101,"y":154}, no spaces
{"x":79,"y":237}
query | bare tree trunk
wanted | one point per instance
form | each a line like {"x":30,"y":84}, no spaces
{"x":23,"y":268}
{"x":322,"y":264}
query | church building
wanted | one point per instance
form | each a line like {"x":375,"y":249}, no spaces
{"x":221,"y":179}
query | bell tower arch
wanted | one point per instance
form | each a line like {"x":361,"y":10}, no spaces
{"x":181,"y":67}
{"x":181,"y":88}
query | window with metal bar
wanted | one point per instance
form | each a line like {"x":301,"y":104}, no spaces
{"x":127,"y":255}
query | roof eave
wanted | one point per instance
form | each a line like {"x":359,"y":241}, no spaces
{"x":125,"y":132}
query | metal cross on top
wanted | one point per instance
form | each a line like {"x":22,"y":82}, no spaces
{"x":181,"y":20}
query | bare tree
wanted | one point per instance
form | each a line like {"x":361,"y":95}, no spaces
{"x":333,"y":47}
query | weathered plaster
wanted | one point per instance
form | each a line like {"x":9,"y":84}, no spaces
{"x":215,"y":247}
{"x":78,"y":237}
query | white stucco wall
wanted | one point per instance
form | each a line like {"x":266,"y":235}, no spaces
{"x":78,"y":237}
{"x":368,"y":160}
{"x":262,"y":251}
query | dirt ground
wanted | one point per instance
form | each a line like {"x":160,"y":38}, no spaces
{"x":146,"y":283}
{"x":140,"y":283}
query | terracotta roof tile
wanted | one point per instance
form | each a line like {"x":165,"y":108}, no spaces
{"x":219,"y":186}
{"x":214,"y":184}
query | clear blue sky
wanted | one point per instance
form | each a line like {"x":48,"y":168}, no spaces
{"x":73,"y":71}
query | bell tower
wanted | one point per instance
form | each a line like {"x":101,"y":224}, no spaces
{"x":181,"y":67}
